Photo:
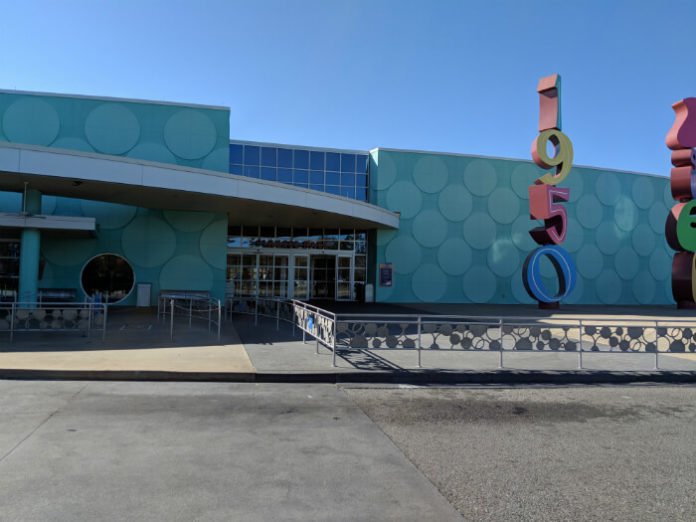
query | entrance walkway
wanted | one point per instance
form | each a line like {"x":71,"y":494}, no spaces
{"x":135,"y":342}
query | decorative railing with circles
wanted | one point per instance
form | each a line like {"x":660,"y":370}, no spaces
{"x":52,"y":317}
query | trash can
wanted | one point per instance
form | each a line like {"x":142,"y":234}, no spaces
{"x":143,"y":294}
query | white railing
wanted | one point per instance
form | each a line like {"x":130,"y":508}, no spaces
{"x":191,"y":306}
{"x":52,"y":317}
{"x":420,"y":332}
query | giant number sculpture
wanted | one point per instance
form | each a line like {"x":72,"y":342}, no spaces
{"x":545,"y":198}
{"x":680,"y":228}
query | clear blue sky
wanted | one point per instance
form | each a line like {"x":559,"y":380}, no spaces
{"x":455,"y":76}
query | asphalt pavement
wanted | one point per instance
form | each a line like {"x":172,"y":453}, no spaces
{"x":548,"y":453}
{"x":84,"y":451}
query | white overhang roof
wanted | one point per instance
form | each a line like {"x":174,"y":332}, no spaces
{"x":149,"y":184}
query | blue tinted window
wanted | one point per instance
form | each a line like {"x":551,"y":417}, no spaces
{"x":236,"y":153}
{"x":252,"y":172}
{"x":316,"y":177}
{"x":285,"y":158}
{"x":361,"y":194}
{"x":348,"y":192}
{"x":315,"y":186}
{"x":268,"y":156}
{"x":361,"y":180}
{"x":236,"y":169}
{"x":316,"y":160}
{"x":268,"y":173}
{"x":333,"y":178}
{"x":301,"y":176}
{"x":251,"y":155}
{"x":300,"y":184}
{"x":333,"y":161}
{"x":285,"y":175}
{"x":347,"y":162}
{"x":348,"y":179}
{"x":301,"y":159}
{"x":333,"y":190}
{"x":361,"y":164}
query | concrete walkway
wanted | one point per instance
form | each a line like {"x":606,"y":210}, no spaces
{"x":137,"y":346}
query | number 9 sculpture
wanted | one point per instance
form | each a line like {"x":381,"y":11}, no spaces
{"x":545,"y":198}
{"x":680,"y":228}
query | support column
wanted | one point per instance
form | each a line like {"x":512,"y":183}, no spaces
{"x":29,"y":251}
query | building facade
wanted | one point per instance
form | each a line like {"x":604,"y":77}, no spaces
{"x":99,"y":195}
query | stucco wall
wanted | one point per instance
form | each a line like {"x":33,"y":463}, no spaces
{"x":183,"y":135}
{"x":463,"y":233}
{"x":173,"y":250}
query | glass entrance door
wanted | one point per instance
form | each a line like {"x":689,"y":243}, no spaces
{"x":299,"y":272}
{"x":344,"y":279}
{"x":323,"y":277}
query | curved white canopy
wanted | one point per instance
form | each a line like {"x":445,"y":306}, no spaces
{"x":149,"y":184}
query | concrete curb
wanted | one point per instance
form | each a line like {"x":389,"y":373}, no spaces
{"x":413,"y":377}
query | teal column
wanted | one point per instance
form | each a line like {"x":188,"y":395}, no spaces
{"x":29,"y":251}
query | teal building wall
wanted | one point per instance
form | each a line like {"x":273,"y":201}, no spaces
{"x":192,"y":136}
{"x":172,"y":250}
{"x":463,"y":234}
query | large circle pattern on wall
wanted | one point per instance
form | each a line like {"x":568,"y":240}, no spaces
{"x":404,"y":253}
{"x":190,"y":134}
{"x":590,"y":261}
{"x":480,"y":177}
{"x":404,"y":197}
{"x":430,"y":174}
{"x":108,"y":215}
{"x":608,"y":188}
{"x":385,"y":236}
{"x":519,"y":232}
{"x":519,"y":293}
{"x":575,"y":236}
{"x":626,"y":263}
{"x":608,"y":287}
{"x":503,"y":205}
{"x":503,"y":258}
{"x":479,"y":284}
{"x":148,"y":241}
{"x":386,"y":169}
{"x":429,"y":228}
{"x":575,"y":295}
{"x":152,"y":152}
{"x":660,"y":265}
{"x":429,"y":283}
{"x":657,"y":216}
{"x":109,"y":276}
{"x":112,"y":128}
{"x":454,"y":256}
{"x":643,"y":240}
{"x":625,"y":214}
{"x":186,"y":273}
{"x":644,"y":288}
{"x":522,"y":176}
{"x":67,"y":252}
{"x":667,"y":195}
{"x":576,"y":185}
{"x":455,"y":202}
{"x":643,"y":192}
{"x":589,"y":211}
{"x":608,"y":238}
{"x":479,"y":230}
{"x":73,"y":144}
{"x":188,"y":221}
{"x":32,"y":121}
{"x":218,"y":160}
{"x":214,"y":244}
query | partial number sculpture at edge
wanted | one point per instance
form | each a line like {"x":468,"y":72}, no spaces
{"x":546,"y":198}
{"x":680,"y":228}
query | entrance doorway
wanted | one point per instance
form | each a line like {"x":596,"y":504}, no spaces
{"x":323,"y":277}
